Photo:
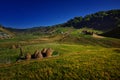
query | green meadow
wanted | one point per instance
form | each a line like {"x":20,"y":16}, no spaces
{"x":79,"y":57}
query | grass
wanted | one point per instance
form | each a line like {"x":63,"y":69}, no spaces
{"x":74,"y":58}
{"x":73,"y":63}
{"x":59,"y":49}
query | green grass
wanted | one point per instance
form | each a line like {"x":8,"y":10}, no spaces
{"x":74,"y":58}
{"x":60,"y":49}
{"x":23,"y":39}
{"x":78,"y":32}
{"x":73,"y":62}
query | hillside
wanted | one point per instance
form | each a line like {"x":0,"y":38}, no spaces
{"x":78,"y":53}
{"x":115,"y":33}
{"x":5,"y":34}
{"x":103,"y":20}
{"x":75,"y":57}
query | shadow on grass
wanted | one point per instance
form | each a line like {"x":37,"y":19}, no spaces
{"x":117,"y":50}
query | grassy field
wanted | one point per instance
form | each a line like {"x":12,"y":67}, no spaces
{"x":81,"y":58}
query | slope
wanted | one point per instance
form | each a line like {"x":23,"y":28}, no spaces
{"x":72,"y":61}
{"x":4,"y":34}
{"x":115,"y":33}
{"x":103,"y":20}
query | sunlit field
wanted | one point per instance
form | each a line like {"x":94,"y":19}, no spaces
{"x":70,"y":60}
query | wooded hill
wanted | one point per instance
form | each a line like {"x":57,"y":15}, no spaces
{"x":103,"y":20}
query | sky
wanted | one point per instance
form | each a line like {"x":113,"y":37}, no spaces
{"x":33,"y":13}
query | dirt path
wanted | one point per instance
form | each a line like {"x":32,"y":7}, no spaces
{"x":97,"y":36}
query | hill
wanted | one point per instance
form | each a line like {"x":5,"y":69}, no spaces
{"x":4,"y":33}
{"x":103,"y":20}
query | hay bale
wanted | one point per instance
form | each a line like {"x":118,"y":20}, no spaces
{"x":43,"y":52}
{"x":28,"y":56}
{"x":13,"y":47}
{"x":35,"y":54}
{"x":18,"y":46}
{"x":39,"y":55}
{"x":49,"y":52}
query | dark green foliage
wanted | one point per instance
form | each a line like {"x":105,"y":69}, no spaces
{"x":103,"y":20}
{"x":115,"y":33}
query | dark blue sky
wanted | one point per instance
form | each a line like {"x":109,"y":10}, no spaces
{"x":33,"y":13}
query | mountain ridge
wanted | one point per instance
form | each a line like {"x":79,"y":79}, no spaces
{"x":102,"y":20}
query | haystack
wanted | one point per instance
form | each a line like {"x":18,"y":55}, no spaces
{"x":39,"y":55}
{"x":35,"y":54}
{"x":43,"y":52}
{"x":28,"y":56}
{"x":49,"y":52}
{"x":18,"y":46}
{"x":13,"y":47}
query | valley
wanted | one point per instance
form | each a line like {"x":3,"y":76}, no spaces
{"x":79,"y":53}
